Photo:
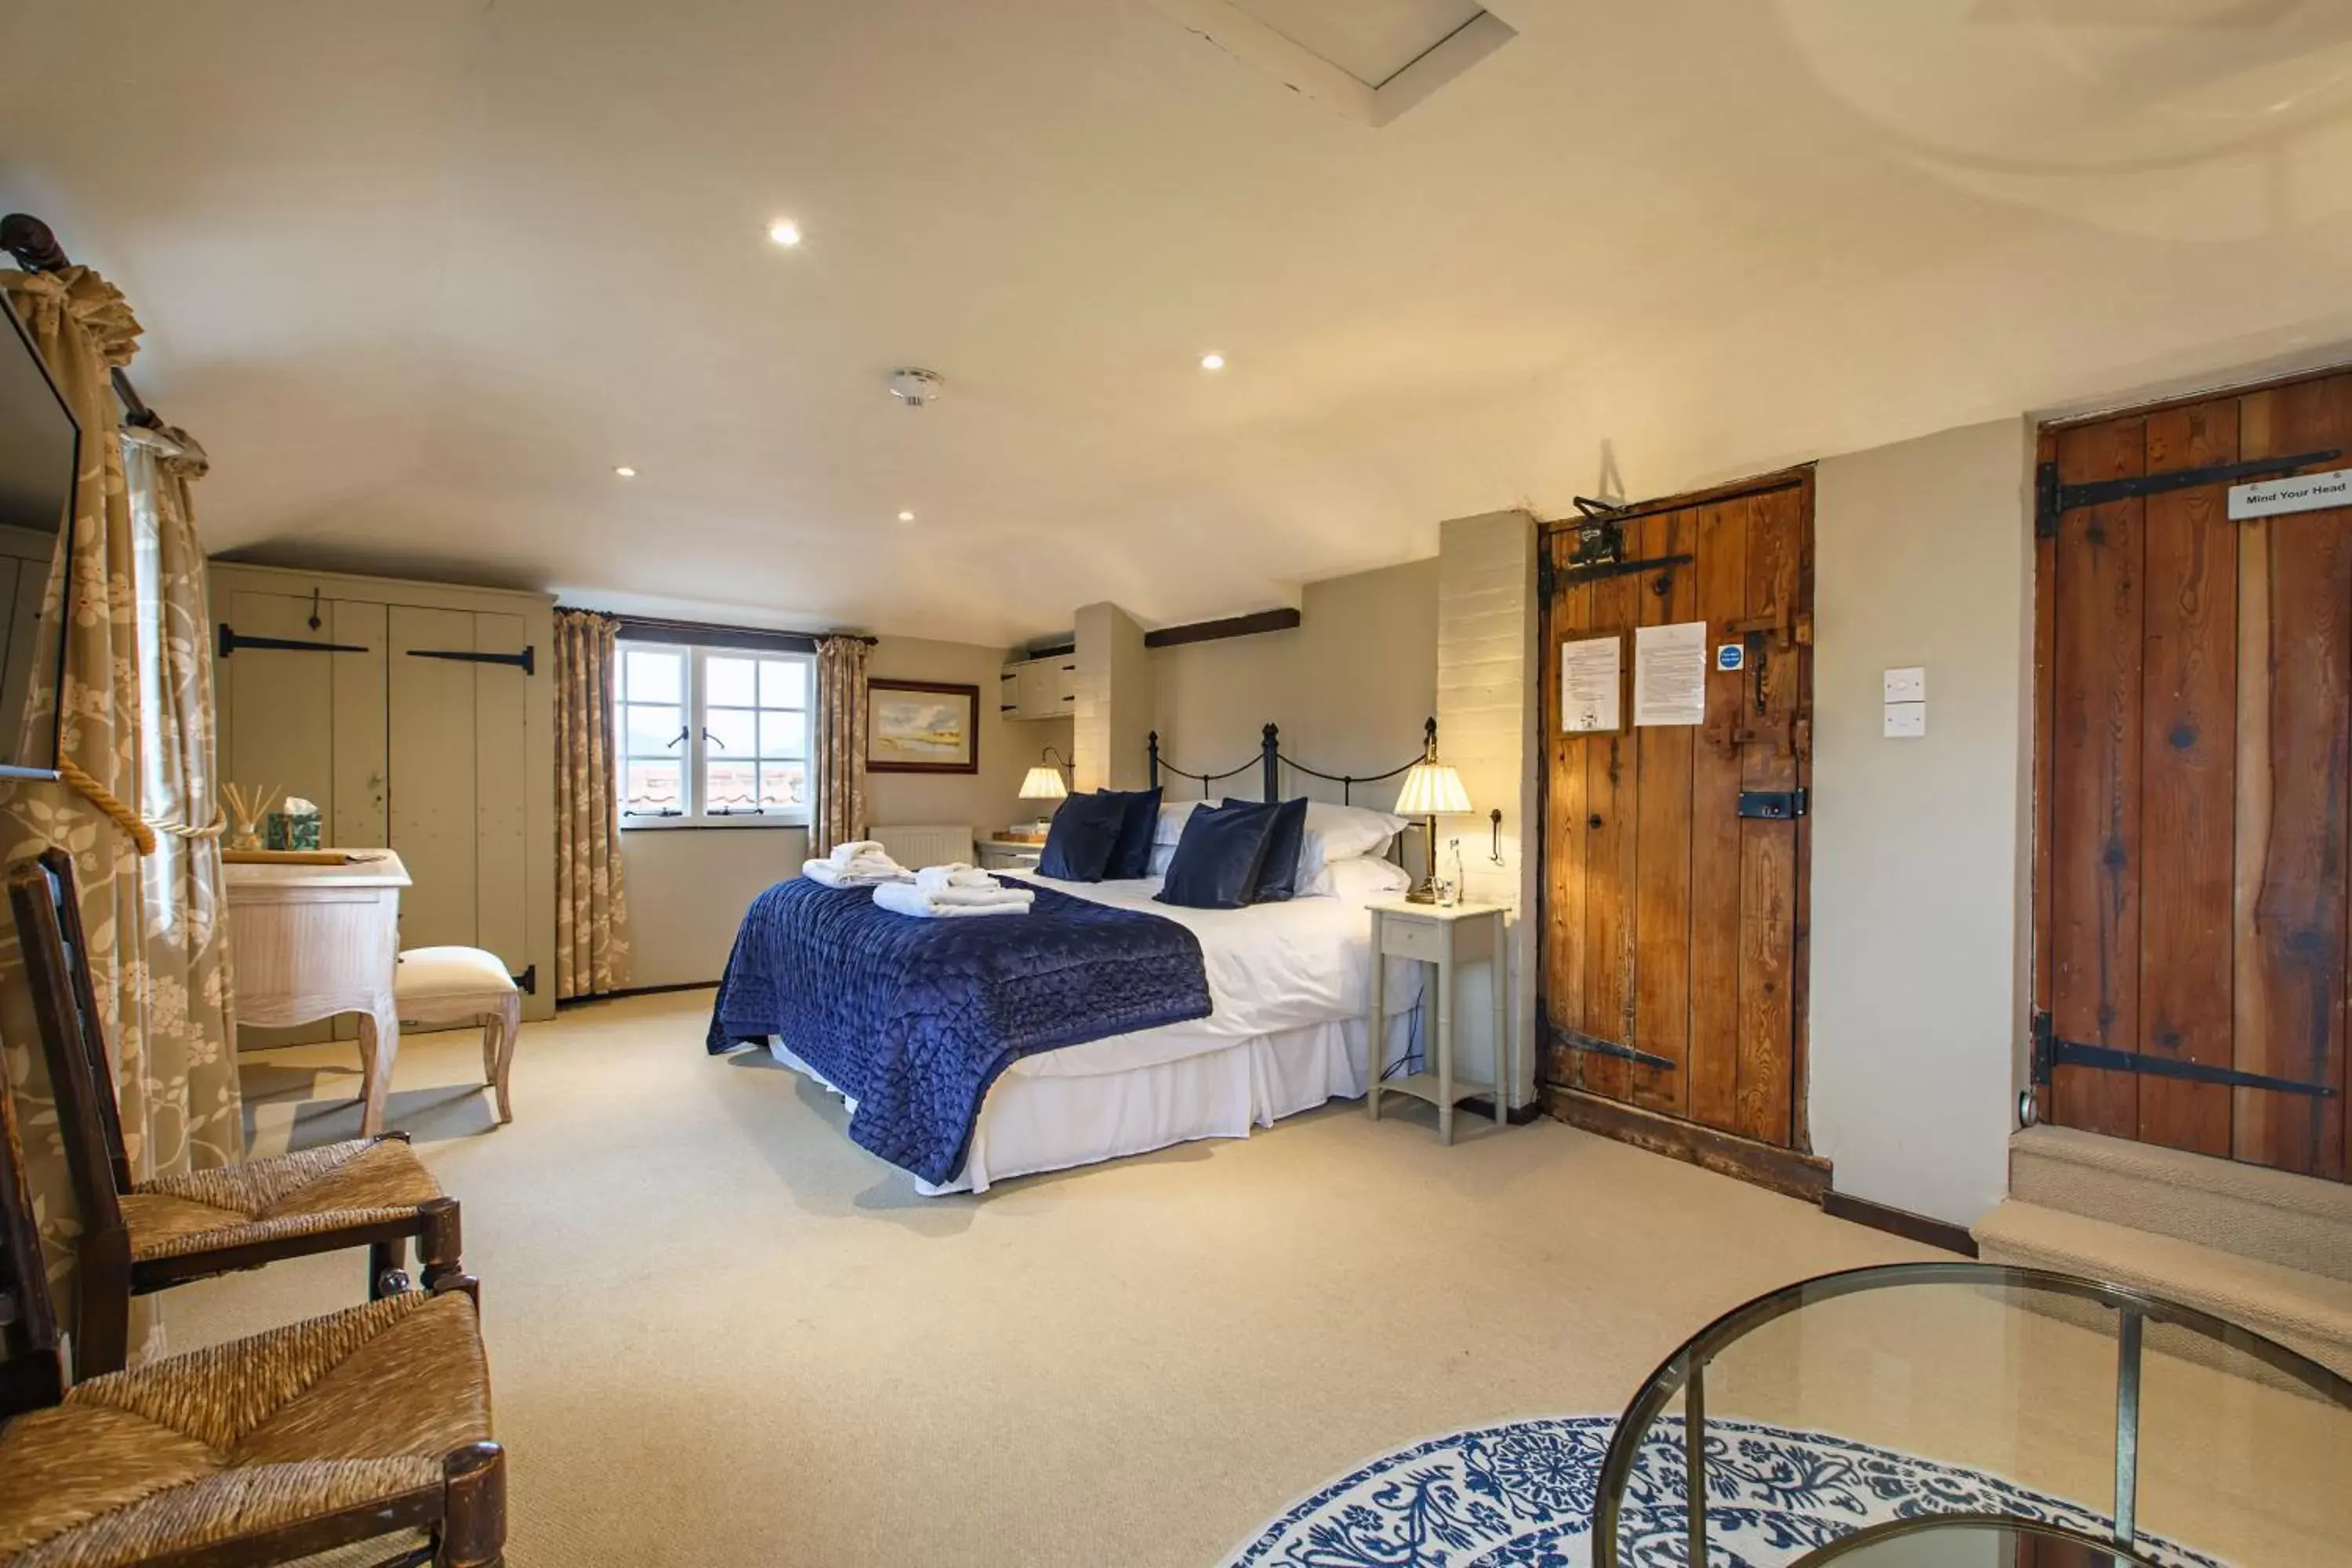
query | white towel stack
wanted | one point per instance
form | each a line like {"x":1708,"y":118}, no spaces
{"x":951,"y":896}
{"x":954,"y":874}
{"x":861,"y":863}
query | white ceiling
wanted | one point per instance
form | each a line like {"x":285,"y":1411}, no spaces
{"x":420,"y":275}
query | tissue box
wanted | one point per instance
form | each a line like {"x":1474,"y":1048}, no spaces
{"x":294,"y":829}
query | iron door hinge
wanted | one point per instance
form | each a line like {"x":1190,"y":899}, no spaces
{"x":2051,"y":1053}
{"x":527,"y":660}
{"x":228,"y":642}
{"x":2052,"y":498}
{"x":1577,"y":1040}
{"x":1773,"y":804}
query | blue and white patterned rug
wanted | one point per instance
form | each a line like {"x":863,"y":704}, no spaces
{"x":1521,"y":1496}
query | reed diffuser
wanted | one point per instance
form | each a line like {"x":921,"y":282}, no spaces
{"x":247,"y":807}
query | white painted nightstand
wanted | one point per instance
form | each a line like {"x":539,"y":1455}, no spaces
{"x":1442,"y":938}
{"x":1006,"y":854}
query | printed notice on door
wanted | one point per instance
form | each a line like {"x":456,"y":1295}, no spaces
{"x":1670,"y":674}
{"x":1590,"y":682}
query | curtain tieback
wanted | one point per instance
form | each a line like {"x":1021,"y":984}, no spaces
{"x":212,"y":829}
{"x":98,"y":795}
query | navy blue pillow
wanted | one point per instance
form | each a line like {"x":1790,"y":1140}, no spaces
{"x":1131,"y":855}
{"x":1277,"y":877}
{"x":1216,"y":862}
{"x":1079,"y":844}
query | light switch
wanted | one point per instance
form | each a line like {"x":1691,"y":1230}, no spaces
{"x":1906,"y":721}
{"x":1906,"y":684}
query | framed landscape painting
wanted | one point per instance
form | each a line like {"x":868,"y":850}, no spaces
{"x":921,"y":727}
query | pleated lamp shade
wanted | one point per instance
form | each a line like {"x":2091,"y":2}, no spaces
{"x":1431,"y":789}
{"x":1045,"y":783}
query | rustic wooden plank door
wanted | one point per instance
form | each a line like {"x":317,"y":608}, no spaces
{"x":2193,"y":709}
{"x":1672,"y":974}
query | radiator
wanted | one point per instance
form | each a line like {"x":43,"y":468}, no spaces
{"x":916,"y":847}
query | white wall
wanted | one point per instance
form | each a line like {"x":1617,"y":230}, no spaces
{"x":1923,"y":556}
{"x":1351,"y":685}
{"x":688,"y":888}
{"x":1487,"y":694}
{"x":1113,"y":703}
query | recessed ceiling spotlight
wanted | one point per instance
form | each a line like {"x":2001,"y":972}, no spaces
{"x":906,"y":517}
{"x":785,"y":232}
{"x":1212,"y":361}
{"x":625,"y":471}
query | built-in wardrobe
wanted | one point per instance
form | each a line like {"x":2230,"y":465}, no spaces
{"x":417,"y":715}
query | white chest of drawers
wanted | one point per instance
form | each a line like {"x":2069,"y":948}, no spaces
{"x":316,"y":941}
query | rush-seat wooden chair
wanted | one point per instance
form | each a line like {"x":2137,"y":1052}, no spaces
{"x":141,"y":1236}
{"x":370,"y":1425}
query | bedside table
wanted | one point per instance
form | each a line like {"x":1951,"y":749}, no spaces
{"x":1006,"y":854}
{"x":1441,"y":938}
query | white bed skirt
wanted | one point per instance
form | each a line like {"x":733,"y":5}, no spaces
{"x":1050,"y":1122}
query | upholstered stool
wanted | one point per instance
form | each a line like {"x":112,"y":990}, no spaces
{"x":461,"y":986}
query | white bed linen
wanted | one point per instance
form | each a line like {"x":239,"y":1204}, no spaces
{"x":1271,"y":968}
{"x":1289,"y":985}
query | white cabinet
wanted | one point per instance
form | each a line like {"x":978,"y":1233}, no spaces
{"x":418,"y":716}
{"x":1039,"y":687}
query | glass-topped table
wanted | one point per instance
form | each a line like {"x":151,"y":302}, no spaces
{"x":1978,"y":1415}
{"x":1960,"y":1540}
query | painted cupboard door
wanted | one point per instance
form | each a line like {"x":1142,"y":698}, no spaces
{"x":308,"y":720}
{"x":1673,"y":945}
{"x":1673,"y":924}
{"x":460,"y":722}
{"x":502,"y":721}
{"x":355,"y":806}
{"x":2193,"y":707}
{"x":433,"y":809}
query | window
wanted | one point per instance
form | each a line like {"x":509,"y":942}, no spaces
{"x":713,"y":736}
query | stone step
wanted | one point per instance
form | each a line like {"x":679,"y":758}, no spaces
{"x":2301,"y":1222}
{"x":2302,"y":1310}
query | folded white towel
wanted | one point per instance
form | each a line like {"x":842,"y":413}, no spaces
{"x":991,"y":894}
{"x":954,"y":874}
{"x":844,"y":853}
{"x":951,"y":903}
{"x":871,"y":871}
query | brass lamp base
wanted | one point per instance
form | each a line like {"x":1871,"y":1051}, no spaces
{"x":1424,"y":891}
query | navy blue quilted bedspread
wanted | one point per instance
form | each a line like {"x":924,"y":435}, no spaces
{"x":913,"y":1019}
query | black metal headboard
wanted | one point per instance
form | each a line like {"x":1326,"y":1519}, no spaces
{"x":1271,"y":762}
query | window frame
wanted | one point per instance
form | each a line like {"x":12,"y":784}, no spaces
{"x":695,"y":758}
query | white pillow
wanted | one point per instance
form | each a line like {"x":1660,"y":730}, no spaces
{"x":1173,"y":815}
{"x":1361,"y":879}
{"x":1161,"y":854}
{"x":1336,"y":833}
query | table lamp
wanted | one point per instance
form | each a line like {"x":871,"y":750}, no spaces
{"x":1045,"y":783}
{"x":1430,"y":788}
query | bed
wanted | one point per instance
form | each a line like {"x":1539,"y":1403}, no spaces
{"x":1241,"y":1016}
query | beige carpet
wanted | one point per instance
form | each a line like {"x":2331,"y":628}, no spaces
{"x":721,"y":1334}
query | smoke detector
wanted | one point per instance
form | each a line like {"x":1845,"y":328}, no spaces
{"x":916,"y":387}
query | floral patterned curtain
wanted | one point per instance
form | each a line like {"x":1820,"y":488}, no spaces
{"x":137,"y":717}
{"x":592,"y":909}
{"x":840,"y":794}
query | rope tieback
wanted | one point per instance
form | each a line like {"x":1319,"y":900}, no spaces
{"x":212,"y":829}
{"x":80,"y":781}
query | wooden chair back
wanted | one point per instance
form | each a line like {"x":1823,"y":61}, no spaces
{"x":32,"y":1373}
{"x":65,"y":1005}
